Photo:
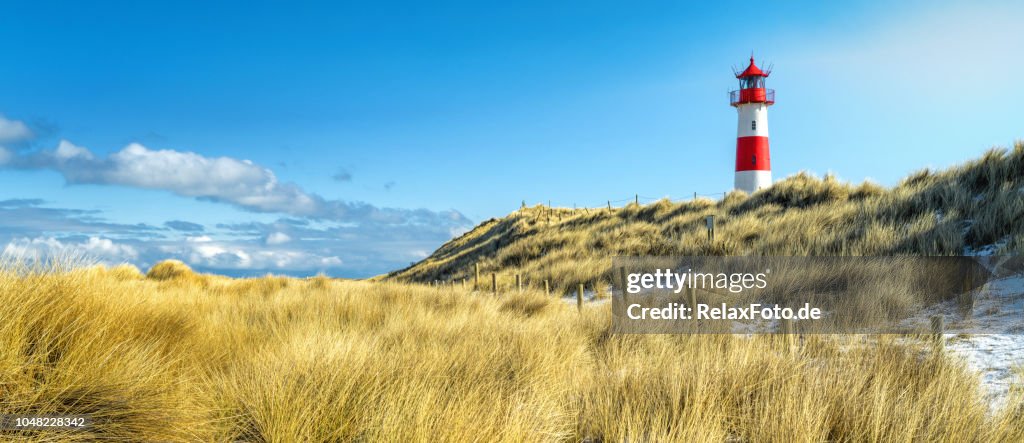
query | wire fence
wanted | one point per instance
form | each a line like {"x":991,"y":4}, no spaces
{"x":635,"y":199}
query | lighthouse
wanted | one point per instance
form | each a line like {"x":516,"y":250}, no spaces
{"x":753,"y":163}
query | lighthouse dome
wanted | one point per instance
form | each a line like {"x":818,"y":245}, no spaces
{"x":752,"y":71}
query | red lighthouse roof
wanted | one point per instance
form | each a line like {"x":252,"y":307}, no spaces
{"x":752,"y":71}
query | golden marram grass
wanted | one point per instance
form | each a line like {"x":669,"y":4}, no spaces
{"x":974,"y":205}
{"x":180,"y":356}
{"x":205,"y":358}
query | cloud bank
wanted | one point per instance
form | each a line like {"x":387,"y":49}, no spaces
{"x":29,"y":230}
{"x":315,"y":234}
{"x":240,"y":183}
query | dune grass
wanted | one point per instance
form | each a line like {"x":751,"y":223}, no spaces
{"x":962,"y":209}
{"x":173,"y":355}
{"x":193,"y":357}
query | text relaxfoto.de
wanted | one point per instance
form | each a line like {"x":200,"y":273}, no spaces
{"x":753,"y":311}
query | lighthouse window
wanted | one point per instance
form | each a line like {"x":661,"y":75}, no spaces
{"x":752,"y":82}
{"x":753,"y":125}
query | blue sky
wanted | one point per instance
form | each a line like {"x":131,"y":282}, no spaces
{"x":353,"y":139}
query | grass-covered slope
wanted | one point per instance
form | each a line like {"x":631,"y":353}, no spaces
{"x":979,"y":204}
{"x":179,"y":356}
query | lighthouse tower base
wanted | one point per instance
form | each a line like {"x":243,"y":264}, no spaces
{"x":750,"y":181}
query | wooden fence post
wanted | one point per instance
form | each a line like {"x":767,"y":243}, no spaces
{"x":691,"y":294}
{"x":937,"y":328}
{"x":579,"y":298}
{"x":547,"y":287}
{"x":966,"y":299}
{"x":624,"y":285}
{"x":519,"y":283}
{"x":464,"y":283}
{"x":609,"y":206}
{"x":789,"y":331}
{"x":637,"y":199}
{"x":710,"y":222}
{"x":494,"y":283}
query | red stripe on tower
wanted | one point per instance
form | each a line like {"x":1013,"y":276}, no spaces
{"x":753,"y":160}
{"x":752,"y":154}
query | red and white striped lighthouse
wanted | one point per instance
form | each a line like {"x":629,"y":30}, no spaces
{"x":753,"y":163}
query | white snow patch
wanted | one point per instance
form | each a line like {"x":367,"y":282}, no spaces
{"x":987,"y":250}
{"x":589,"y":296}
{"x":998,"y":312}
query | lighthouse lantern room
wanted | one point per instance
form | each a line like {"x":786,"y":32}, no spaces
{"x":753,"y":162}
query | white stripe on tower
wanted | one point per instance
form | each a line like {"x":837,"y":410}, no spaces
{"x":753,"y":120}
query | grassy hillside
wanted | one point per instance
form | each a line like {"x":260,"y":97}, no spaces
{"x":176,"y":356}
{"x":968,"y":207}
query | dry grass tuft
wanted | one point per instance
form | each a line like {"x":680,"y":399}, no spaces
{"x":169,"y":270}
{"x":126,"y":272}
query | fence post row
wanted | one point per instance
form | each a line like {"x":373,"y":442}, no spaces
{"x":519,"y":284}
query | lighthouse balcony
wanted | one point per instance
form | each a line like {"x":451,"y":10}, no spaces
{"x":752,"y":95}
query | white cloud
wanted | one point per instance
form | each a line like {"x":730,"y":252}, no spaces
{"x":13,"y":130}
{"x":67,"y":151}
{"x":241,"y":183}
{"x":217,"y":255}
{"x":332,"y":261}
{"x":226,"y":179}
{"x":103,"y":250}
{"x":278,"y":238}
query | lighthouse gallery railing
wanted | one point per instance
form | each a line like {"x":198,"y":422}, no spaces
{"x":752,"y":95}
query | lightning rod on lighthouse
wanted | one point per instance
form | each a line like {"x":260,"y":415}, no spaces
{"x":753,"y":162}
